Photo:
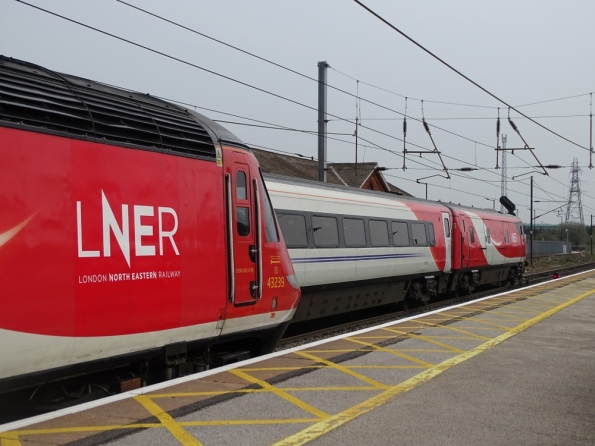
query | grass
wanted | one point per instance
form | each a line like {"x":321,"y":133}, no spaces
{"x":547,"y":263}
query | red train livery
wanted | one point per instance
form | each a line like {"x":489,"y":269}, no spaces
{"x":135,"y":232}
{"x":130,"y":229}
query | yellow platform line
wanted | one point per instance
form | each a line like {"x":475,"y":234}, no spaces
{"x":344,"y":369}
{"x":67,"y":430}
{"x":535,"y":306}
{"x":172,"y":425}
{"x":154,"y":396}
{"x":482,"y":321}
{"x":386,"y":337}
{"x":555,"y":300}
{"x":464,"y":328}
{"x":333,"y":388}
{"x":459,"y":330}
{"x":425,"y":339}
{"x":456,"y":338}
{"x":501,"y":312}
{"x":389,"y":366}
{"x":282,"y":394}
{"x":503,"y":315}
{"x":341,"y":350}
{"x":392,"y":352}
{"x":248,"y":422}
{"x":280,"y":369}
{"x":323,"y":427}
{"x":420,"y":350}
{"x":9,"y":439}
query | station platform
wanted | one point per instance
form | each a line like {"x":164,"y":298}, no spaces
{"x":516,"y":368}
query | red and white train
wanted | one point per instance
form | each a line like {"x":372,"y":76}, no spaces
{"x":134,"y":230}
{"x":353,"y":249}
{"x":130,"y":229}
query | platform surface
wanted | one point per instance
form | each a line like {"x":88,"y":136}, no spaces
{"x":518,"y":368}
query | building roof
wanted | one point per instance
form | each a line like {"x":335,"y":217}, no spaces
{"x":292,"y":166}
{"x":337,"y":173}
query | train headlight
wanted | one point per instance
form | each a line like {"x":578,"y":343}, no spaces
{"x":274,"y":304}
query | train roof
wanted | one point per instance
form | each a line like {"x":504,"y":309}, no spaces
{"x":44,"y":100}
{"x":389,"y":196}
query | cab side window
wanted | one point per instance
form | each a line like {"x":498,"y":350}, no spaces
{"x":242,"y":212}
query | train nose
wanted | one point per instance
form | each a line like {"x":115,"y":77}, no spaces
{"x":292,"y":279}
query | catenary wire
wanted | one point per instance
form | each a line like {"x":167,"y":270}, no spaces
{"x":465,"y":77}
{"x":295,"y":72}
{"x":204,"y":69}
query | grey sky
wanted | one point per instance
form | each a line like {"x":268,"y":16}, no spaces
{"x":523,"y":51}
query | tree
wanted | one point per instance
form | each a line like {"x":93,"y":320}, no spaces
{"x":577,"y":233}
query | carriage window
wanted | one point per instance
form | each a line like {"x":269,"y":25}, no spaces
{"x":418,"y":231}
{"x":378,"y":233}
{"x":488,"y":236}
{"x":293,"y":228}
{"x":243,"y":221}
{"x":506,"y":236}
{"x":447,"y":227}
{"x":354,"y":232}
{"x":471,"y":236}
{"x":400,"y":233}
{"x":432,"y":235}
{"x":326,"y":233}
{"x":241,"y":190}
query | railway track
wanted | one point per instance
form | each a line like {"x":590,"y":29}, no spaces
{"x":388,"y":316}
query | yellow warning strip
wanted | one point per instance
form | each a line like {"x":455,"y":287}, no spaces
{"x":273,"y":369}
{"x":282,"y":394}
{"x":420,"y":350}
{"x":505,"y":315}
{"x":323,"y":427}
{"x":464,"y":329}
{"x":482,"y":321}
{"x":172,"y":425}
{"x":524,"y":309}
{"x":341,"y":350}
{"x":390,"y":366}
{"x":555,"y":299}
{"x":246,"y":422}
{"x":67,"y":430}
{"x":425,"y":339}
{"x":456,"y":338}
{"x":202,"y":393}
{"x":333,"y":389}
{"x":10,"y":439}
{"x":344,"y":369}
{"x":392,"y":352}
{"x":460,"y":330}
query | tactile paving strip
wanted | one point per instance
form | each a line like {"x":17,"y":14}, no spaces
{"x":294,"y":398}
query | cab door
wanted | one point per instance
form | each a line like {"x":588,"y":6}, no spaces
{"x":447,"y":242}
{"x":244,"y":233}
